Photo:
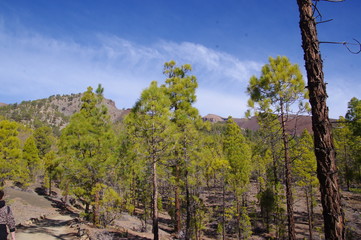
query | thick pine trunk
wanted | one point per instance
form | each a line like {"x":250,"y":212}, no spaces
{"x":324,"y":148}
{"x":288,"y":178}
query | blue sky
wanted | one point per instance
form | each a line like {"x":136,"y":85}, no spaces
{"x":62,"y":47}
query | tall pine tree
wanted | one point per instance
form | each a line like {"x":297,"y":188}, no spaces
{"x":181,"y":89}
{"x":88,"y":144}
{"x":280,"y":90}
{"x":149,"y":123}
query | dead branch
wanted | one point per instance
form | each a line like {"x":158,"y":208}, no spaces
{"x":346,"y":44}
{"x":334,"y":1}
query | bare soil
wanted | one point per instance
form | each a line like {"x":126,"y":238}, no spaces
{"x":39,"y":217}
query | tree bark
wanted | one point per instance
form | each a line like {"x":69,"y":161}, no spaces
{"x":178,"y":215}
{"x":323,"y":141}
{"x":223,"y":212}
{"x":238,"y":218}
{"x":96,"y":208}
{"x":50,"y":179}
{"x":188,"y":210}
{"x":155,"y":202}
{"x":309,"y":215}
{"x":288,"y":178}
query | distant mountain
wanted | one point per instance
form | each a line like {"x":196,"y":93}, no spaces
{"x":54,"y":111}
{"x":295,"y":125}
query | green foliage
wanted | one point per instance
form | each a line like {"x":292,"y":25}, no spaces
{"x":149,"y":127}
{"x":44,"y":140}
{"x":353,"y":116}
{"x":149,"y":123}
{"x":12,"y":167}
{"x":212,"y":162}
{"x":31,"y":157}
{"x":267,"y":200}
{"x":347,"y":141}
{"x":181,"y":87}
{"x":245,"y":224}
{"x":305,"y":164}
{"x":110,"y":203}
{"x":279,"y":92}
{"x":201,"y":217}
{"x":87,"y":143}
{"x":238,"y":154}
{"x":280,"y":86}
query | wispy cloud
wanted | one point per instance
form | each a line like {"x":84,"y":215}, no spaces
{"x":36,"y":66}
{"x":214,"y":63}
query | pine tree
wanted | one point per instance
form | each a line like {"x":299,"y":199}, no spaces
{"x":277,"y":91}
{"x":31,"y":157}
{"x":51,"y":165}
{"x":88,"y":144}
{"x":10,"y":152}
{"x":353,"y":118}
{"x":181,"y":88}
{"x":305,"y":166}
{"x":347,"y":142}
{"x":44,"y":140}
{"x":150,"y":124}
{"x":238,"y":154}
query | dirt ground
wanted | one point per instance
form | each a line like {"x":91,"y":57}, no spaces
{"x":42,"y":218}
{"x":37,"y":217}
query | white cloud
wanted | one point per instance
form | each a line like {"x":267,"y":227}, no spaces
{"x":36,"y":66}
{"x":220,"y":103}
{"x":213,"y":63}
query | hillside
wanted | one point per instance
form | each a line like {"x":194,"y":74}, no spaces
{"x":54,"y":111}
{"x":294,"y":125}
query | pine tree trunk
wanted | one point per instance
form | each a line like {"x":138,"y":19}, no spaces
{"x":67,"y":194}
{"x":223,"y":212}
{"x":274,"y":168}
{"x":288,"y":178}
{"x":324,"y":148}
{"x":238,"y":219}
{"x":188,"y":210}
{"x":96,"y":209}
{"x":87,"y":207}
{"x":50,"y":185}
{"x":155,"y":202}
{"x":133,"y":192}
{"x":309,"y":215}
{"x":178,"y":225}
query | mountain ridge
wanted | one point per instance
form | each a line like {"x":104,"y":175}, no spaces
{"x":56,"y":110}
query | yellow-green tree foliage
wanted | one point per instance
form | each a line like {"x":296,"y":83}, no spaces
{"x":12,"y":167}
{"x":87,"y":145}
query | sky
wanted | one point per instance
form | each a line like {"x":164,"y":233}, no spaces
{"x":63,"y":46}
